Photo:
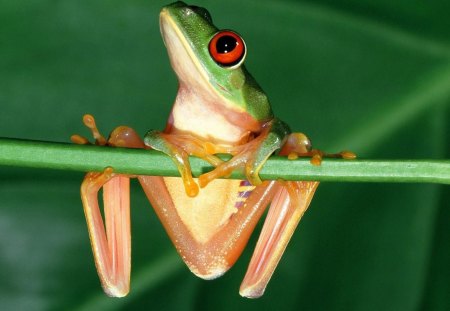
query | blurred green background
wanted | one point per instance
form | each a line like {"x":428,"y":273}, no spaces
{"x":369,"y":76}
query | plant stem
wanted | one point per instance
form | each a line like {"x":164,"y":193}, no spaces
{"x":62,"y":156}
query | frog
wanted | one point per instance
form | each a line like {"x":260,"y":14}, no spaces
{"x":219,"y":109}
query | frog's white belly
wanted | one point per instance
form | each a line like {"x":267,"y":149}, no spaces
{"x":192,"y":114}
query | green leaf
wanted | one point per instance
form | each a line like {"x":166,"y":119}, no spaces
{"x":369,"y":76}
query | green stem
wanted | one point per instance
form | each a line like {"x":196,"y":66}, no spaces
{"x":38,"y":154}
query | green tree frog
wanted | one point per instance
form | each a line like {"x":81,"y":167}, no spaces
{"x":219,"y":108}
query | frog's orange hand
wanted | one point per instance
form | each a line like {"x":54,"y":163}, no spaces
{"x":111,"y":238}
{"x":252,"y":155}
{"x":179,"y":147}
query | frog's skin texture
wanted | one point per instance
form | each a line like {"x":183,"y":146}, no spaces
{"x":219,"y":108}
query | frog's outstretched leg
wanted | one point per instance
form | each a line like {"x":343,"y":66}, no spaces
{"x":286,"y":210}
{"x":111,"y":242}
{"x":111,"y":238}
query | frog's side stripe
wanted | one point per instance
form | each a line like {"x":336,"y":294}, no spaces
{"x":245,"y":189}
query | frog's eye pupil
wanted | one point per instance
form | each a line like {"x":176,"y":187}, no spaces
{"x":227,"y":48}
{"x":226,"y":44}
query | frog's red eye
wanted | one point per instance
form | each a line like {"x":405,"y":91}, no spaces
{"x":227,"y":48}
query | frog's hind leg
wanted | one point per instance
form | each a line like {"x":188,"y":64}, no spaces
{"x":111,"y":239}
{"x":287,"y":208}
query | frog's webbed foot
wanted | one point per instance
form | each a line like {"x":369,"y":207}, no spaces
{"x":179,"y":147}
{"x":298,"y":145}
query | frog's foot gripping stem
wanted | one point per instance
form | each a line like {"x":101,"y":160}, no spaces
{"x":298,"y":145}
{"x":121,"y":136}
{"x":89,"y":122}
{"x":179,"y":147}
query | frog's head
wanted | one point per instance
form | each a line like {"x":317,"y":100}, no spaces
{"x":209,"y":61}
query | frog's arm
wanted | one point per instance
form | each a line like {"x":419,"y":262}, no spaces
{"x":250,"y":156}
{"x":179,"y":147}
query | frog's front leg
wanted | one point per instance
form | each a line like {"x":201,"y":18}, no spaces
{"x":252,"y":155}
{"x":179,"y":147}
